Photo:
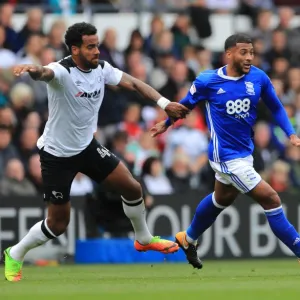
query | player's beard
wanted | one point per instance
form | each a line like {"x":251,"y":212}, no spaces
{"x":88,"y":64}
{"x":238,"y":66}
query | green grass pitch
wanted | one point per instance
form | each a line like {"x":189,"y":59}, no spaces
{"x":224,"y":280}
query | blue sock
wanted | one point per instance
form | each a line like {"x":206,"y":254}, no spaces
{"x":206,"y":214}
{"x":283,"y":229}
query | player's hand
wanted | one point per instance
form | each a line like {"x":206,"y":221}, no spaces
{"x":295,"y":140}
{"x":31,"y":69}
{"x":158,"y":128}
{"x":176,"y":110}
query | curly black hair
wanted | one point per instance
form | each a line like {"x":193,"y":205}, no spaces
{"x":73,"y":36}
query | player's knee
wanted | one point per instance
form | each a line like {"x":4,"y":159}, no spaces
{"x":274,"y":200}
{"x":58,"y":225}
{"x":226,"y":198}
{"x":270,"y":200}
{"x":133,"y":191}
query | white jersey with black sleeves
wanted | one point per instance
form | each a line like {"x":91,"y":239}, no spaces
{"x":74,"y":100}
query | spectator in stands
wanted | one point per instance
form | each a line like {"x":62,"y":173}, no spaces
{"x":81,"y":185}
{"x":108,"y":49}
{"x":279,"y":176}
{"x":159,"y":76}
{"x":263,"y":30}
{"x":33,"y":26}
{"x":32,"y":121}
{"x":139,"y":71}
{"x":293,"y":77}
{"x":14,"y":182}
{"x":292,"y":157}
{"x":35,"y":173}
{"x":279,"y":47}
{"x":180,"y":32}
{"x":6,"y":12}
{"x":297,"y":113}
{"x":136,"y":42}
{"x":193,"y":142}
{"x":135,"y":58}
{"x":285,"y":15}
{"x":7,"y":149}
{"x":55,"y":40}
{"x":178,"y":78}
{"x":32,"y":51}
{"x":190,"y":58}
{"x":265,"y":152}
{"x":164,"y":44}
{"x":204,"y":59}
{"x":157,"y":26}
{"x":7,"y":57}
{"x":153,"y":178}
{"x":27,"y":145}
{"x":46,"y":56}
{"x":22,"y":101}
{"x":118,"y":147}
{"x":279,"y":89}
{"x":252,"y":7}
{"x":7,"y":117}
{"x":280,"y":67}
{"x":138,"y":151}
{"x":131,"y":122}
{"x":179,"y":173}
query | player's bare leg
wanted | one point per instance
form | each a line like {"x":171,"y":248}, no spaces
{"x":264,"y":194}
{"x":121,"y":180}
{"x":54,"y":225}
{"x":206,"y":213}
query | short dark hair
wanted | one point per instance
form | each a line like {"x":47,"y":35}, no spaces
{"x":237,"y":38}
{"x":73,"y":36}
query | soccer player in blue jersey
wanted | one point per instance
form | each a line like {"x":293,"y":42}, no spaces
{"x":231,"y":94}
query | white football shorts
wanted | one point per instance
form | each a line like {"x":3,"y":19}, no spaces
{"x":237,"y":172}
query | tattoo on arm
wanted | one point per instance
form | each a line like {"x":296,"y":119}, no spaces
{"x":47,"y":74}
{"x":130,"y":83}
{"x":42,"y":74}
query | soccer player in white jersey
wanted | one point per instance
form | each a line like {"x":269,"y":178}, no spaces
{"x":75,"y":87}
{"x":231,"y":94}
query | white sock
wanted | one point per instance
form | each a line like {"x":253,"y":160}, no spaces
{"x":135,"y":211}
{"x":38,"y":235}
{"x":190,"y":240}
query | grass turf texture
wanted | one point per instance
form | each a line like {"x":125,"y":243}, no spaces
{"x":226,"y":280}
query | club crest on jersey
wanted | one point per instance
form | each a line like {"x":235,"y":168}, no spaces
{"x":88,"y":95}
{"x":249,"y":88}
{"x":193,"y":89}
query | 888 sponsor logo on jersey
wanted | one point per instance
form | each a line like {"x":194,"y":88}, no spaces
{"x":239,"y":107}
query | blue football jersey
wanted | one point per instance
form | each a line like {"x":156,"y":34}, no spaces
{"x":231,"y":109}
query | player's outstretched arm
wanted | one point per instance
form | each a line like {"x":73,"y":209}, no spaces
{"x":159,"y":128}
{"x":35,"y":72}
{"x":173,"y":109}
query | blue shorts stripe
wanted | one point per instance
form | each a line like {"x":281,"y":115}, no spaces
{"x":242,"y":184}
{"x":235,"y":178}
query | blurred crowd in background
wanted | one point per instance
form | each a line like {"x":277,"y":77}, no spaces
{"x":169,"y":61}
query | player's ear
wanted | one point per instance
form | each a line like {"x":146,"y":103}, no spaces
{"x":75,"y":50}
{"x":228,"y":53}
